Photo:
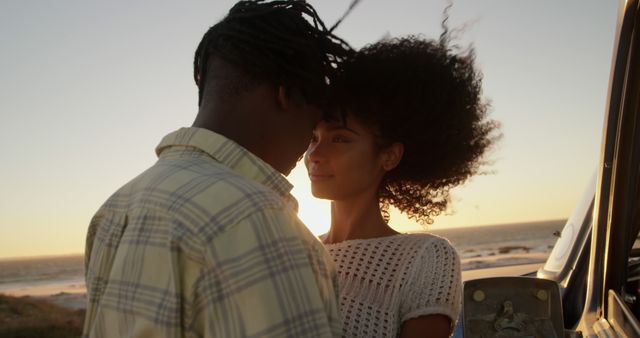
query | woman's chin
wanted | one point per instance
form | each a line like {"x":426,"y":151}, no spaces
{"x":321,"y":193}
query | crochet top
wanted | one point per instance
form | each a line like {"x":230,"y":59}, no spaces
{"x":385,"y":281}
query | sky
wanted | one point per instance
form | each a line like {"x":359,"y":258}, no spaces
{"x":88,"y":89}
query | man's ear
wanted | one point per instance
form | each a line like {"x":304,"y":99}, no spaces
{"x":284,"y":101}
{"x":391,"y":156}
{"x":290,"y":98}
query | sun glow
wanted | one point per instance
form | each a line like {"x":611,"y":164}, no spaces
{"x":314,"y":212}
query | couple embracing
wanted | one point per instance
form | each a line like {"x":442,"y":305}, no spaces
{"x":206,"y":242}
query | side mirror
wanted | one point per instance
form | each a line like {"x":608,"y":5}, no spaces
{"x":512,"y":307}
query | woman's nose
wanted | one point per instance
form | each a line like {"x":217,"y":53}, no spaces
{"x":315,"y":152}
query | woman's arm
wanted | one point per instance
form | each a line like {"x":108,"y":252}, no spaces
{"x":429,"y":326}
{"x":432,"y":294}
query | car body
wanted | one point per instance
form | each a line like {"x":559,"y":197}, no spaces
{"x":595,"y":264}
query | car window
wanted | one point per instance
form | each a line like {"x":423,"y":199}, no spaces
{"x":574,"y":233}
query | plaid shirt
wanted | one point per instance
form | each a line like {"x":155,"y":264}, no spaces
{"x":206,"y":243}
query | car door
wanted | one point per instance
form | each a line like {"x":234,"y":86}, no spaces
{"x":609,"y":298}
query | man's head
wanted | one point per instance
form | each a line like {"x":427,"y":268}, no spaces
{"x":263,"y":74}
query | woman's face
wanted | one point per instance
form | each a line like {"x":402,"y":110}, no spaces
{"x":343,"y":161}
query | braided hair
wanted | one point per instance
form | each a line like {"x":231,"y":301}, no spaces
{"x":274,"y":42}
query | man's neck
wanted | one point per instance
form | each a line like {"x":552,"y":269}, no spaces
{"x":232,"y":123}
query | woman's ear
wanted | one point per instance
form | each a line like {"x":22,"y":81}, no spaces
{"x":391,"y":156}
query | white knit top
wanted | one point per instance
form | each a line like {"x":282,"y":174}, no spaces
{"x":387,"y":280}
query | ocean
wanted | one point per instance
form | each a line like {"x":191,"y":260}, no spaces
{"x":42,"y":275}
{"x":478,"y":247}
{"x":502,"y":245}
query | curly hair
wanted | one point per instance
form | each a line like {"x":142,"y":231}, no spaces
{"x":422,"y":94}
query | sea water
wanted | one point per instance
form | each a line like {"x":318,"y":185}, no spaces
{"x":478,"y":247}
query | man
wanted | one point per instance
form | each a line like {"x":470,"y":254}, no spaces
{"x":206,"y":243}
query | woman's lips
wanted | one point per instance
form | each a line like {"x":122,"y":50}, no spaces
{"x":319,"y":177}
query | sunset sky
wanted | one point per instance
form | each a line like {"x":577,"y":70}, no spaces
{"x":88,"y":88}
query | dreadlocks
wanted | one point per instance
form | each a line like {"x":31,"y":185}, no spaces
{"x":272,"y":41}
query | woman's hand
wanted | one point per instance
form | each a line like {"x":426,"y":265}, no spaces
{"x":429,"y":326}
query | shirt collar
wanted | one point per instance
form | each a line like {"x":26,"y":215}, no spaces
{"x":232,"y":155}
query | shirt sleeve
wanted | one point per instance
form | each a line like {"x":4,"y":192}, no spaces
{"x":435,"y":285}
{"x":264,"y":278}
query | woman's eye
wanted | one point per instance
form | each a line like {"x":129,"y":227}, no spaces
{"x":340,"y":139}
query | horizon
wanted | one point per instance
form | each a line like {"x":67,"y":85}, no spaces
{"x":438,"y":230}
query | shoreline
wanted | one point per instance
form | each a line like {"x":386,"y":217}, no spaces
{"x":72,"y":297}
{"x":60,"y":279}
{"x":72,"y":294}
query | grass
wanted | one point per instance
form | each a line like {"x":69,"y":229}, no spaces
{"x":26,"y":317}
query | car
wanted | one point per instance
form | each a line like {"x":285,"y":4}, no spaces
{"x":590,"y":284}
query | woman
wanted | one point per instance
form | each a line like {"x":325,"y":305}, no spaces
{"x":410,"y":126}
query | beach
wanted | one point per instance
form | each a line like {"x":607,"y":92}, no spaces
{"x":60,"y":279}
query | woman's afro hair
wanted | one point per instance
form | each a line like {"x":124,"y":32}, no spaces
{"x":426,"y":96}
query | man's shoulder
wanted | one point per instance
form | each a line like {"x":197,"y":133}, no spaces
{"x":226,"y":187}
{"x":195,"y":192}
{"x":201,"y":178}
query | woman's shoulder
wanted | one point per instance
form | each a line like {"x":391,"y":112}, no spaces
{"x":427,"y":238}
{"x":432,"y":247}
{"x":416,"y":244}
